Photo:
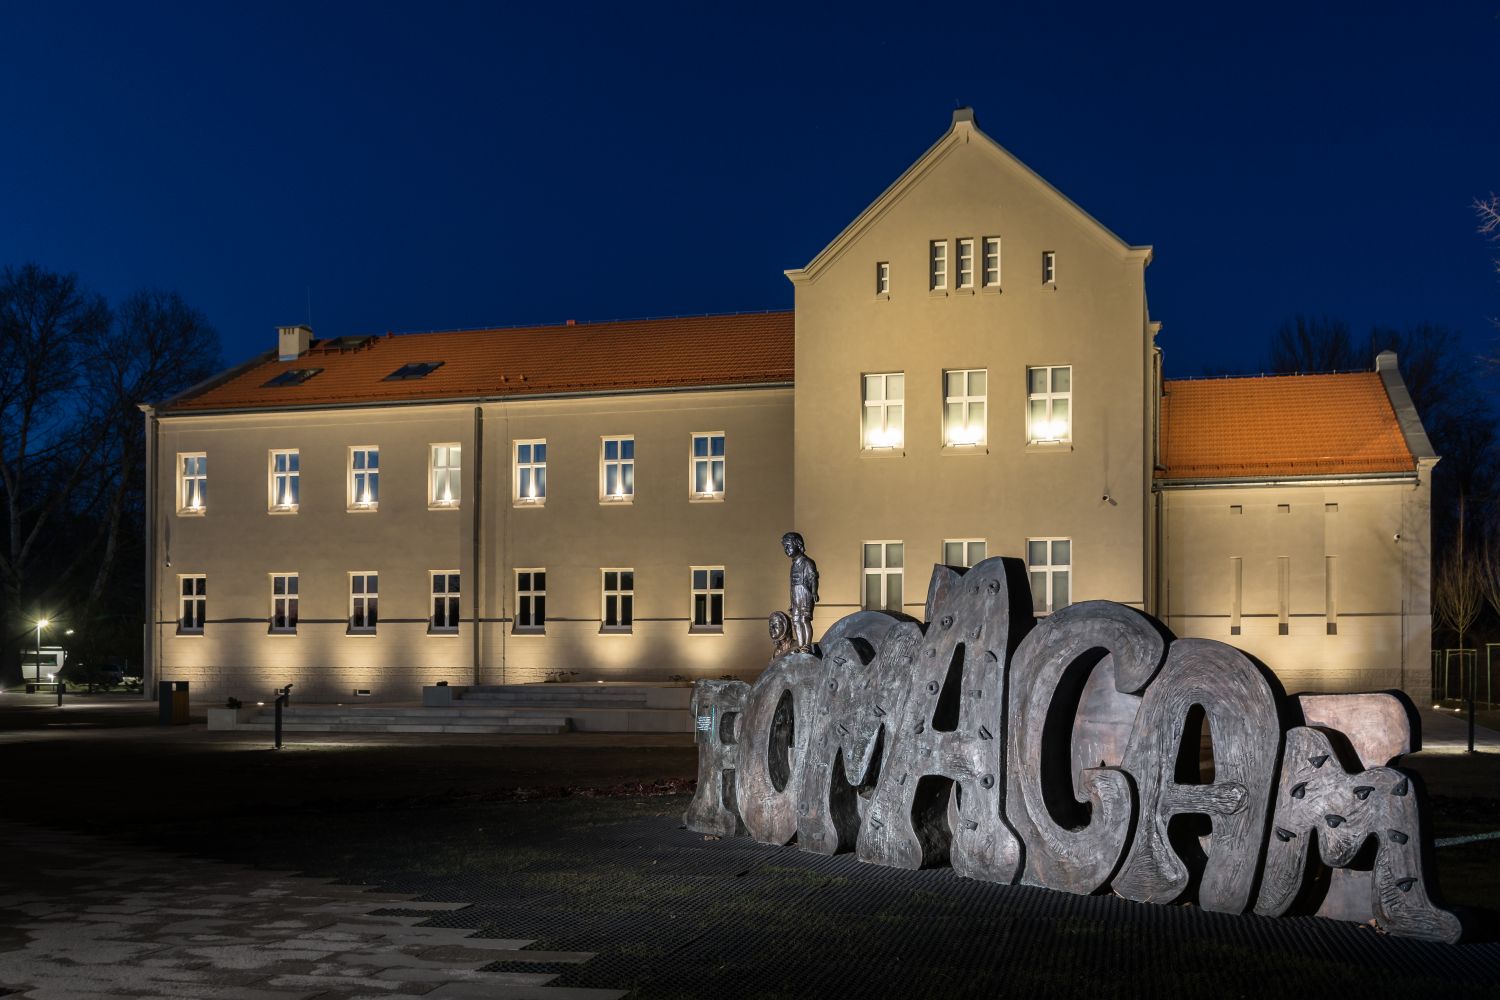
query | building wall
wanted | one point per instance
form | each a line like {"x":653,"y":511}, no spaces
{"x":1373,"y":538}
{"x":238,"y":543}
{"x":1092,"y":318}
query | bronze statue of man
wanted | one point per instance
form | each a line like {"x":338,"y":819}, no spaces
{"x":804,"y":590}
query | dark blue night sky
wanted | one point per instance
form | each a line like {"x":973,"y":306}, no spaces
{"x":432,"y":166}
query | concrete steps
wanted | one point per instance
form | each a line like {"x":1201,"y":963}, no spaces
{"x":414,"y":719}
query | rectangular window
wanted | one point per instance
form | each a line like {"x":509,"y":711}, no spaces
{"x":966,"y":263}
{"x":963,"y":552}
{"x":618,"y":592}
{"x":883,"y":563}
{"x":284,"y":600}
{"x":708,"y":598}
{"x":1049,"y":404}
{"x":364,"y":602}
{"x":531,"y":472}
{"x":531,"y":600}
{"x":1050,"y":562}
{"x":194,"y":606}
{"x":1283,"y":595}
{"x":963,"y":406}
{"x":286,"y":482}
{"x":708,"y":465}
{"x":938,"y":271}
{"x":446,"y":475}
{"x":1331,"y":594}
{"x":992,"y":262}
{"x":884,"y":410}
{"x":1236,"y":593}
{"x":617,"y":471}
{"x":364,"y":478}
{"x":445,"y":595}
{"x":192,"y":483}
{"x":883,"y":277}
{"x":1049,"y":267}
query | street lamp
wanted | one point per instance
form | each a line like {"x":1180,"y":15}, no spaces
{"x":42,"y":623}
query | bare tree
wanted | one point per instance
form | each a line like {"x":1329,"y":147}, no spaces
{"x":1458,"y":590}
{"x":1314,"y":344}
{"x":1488,"y":210}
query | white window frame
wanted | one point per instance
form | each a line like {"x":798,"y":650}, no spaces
{"x":707,"y":592}
{"x":990,"y":262}
{"x":1051,"y":569}
{"x":618,"y":594}
{"x":883,"y":278}
{"x":361,"y":479}
{"x":1049,"y":267}
{"x":884,"y":571}
{"x":286,"y":606}
{"x":708,"y":461}
{"x":192,"y":487}
{"x":620,"y":464}
{"x":526,"y":598}
{"x":875,"y":431}
{"x":445,"y":482}
{"x":1048,"y":436}
{"x":191,"y":606}
{"x":453,"y":599}
{"x":964,"y":276}
{"x":284,"y":484}
{"x":531,"y":497}
{"x":937,"y":265}
{"x":965,"y":436}
{"x":966,"y":548}
{"x":365,"y":604}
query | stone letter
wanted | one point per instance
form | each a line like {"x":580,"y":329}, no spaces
{"x":714,"y":808}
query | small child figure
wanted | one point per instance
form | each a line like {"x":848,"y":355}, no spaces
{"x":804,"y":590}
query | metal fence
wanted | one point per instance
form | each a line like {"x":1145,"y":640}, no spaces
{"x":1454,"y":669}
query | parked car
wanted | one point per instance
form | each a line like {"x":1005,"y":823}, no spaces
{"x":111,"y":675}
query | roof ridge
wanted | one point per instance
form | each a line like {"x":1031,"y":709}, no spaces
{"x":575,"y":324}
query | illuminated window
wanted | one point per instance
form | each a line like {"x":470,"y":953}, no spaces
{"x":286,"y":480}
{"x":531,"y":472}
{"x":938,"y":265}
{"x":963,"y":406}
{"x":531,"y":600}
{"x":194,"y":606}
{"x":966,"y":263}
{"x":364,"y":602}
{"x":708,"y":598}
{"x":446,"y":475}
{"x":1049,"y":267}
{"x":364,"y":478}
{"x":884,"y":409}
{"x":618,"y":592}
{"x":963,"y":552}
{"x":284,"y":598}
{"x":1050,"y":562}
{"x":617,"y":470}
{"x":1049,"y":404}
{"x":992,"y":262}
{"x":445,"y":598}
{"x":883,"y":278}
{"x":883,"y":562}
{"x":192,"y":482}
{"x":708,"y":465}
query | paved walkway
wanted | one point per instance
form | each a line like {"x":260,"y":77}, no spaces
{"x":132,"y":923}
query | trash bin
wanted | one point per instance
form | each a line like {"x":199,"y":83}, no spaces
{"x":172,"y":703}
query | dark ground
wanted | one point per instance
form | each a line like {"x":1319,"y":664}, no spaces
{"x":579,"y":844}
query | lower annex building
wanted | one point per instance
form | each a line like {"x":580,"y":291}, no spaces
{"x":975,"y":374}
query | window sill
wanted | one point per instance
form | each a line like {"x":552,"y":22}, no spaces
{"x":363,"y":508}
{"x":281,"y":510}
{"x":706,"y":630}
{"x":1048,"y":447}
{"x":894,"y":450}
{"x":191,"y":511}
{"x":937,"y":293}
{"x":978,"y":448}
{"x":537,"y":502}
{"x":883,"y":296}
{"x":359,"y":631}
{"x":288,"y":632}
{"x":705,"y":498}
{"x":609,"y":501}
{"x":439,"y":505}
{"x":964,"y":291}
{"x":616,"y":630}
{"x":190,"y":633}
{"x":991,"y":290}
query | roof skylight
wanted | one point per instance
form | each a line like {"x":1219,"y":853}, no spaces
{"x":417,"y":369}
{"x":292,"y":376}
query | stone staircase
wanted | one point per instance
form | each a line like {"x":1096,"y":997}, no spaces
{"x":488,"y":709}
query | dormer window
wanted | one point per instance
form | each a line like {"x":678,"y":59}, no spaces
{"x":292,"y":376}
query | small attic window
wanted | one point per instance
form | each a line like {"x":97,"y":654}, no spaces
{"x":292,"y":376}
{"x":417,"y":369}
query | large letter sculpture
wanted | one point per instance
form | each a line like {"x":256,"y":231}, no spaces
{"x":1066,"y":756}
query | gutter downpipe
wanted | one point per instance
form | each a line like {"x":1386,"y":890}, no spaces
{"x":478,"y":504}
{"x":149,"y":644}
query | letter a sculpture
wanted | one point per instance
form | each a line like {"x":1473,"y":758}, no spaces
{"x":1063,"y":738}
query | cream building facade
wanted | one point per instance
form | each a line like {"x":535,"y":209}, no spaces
{"x":975,"y":375}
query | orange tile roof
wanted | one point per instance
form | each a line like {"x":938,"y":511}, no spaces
{"x":1280,"y":426}
{"x":741,"y":349}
